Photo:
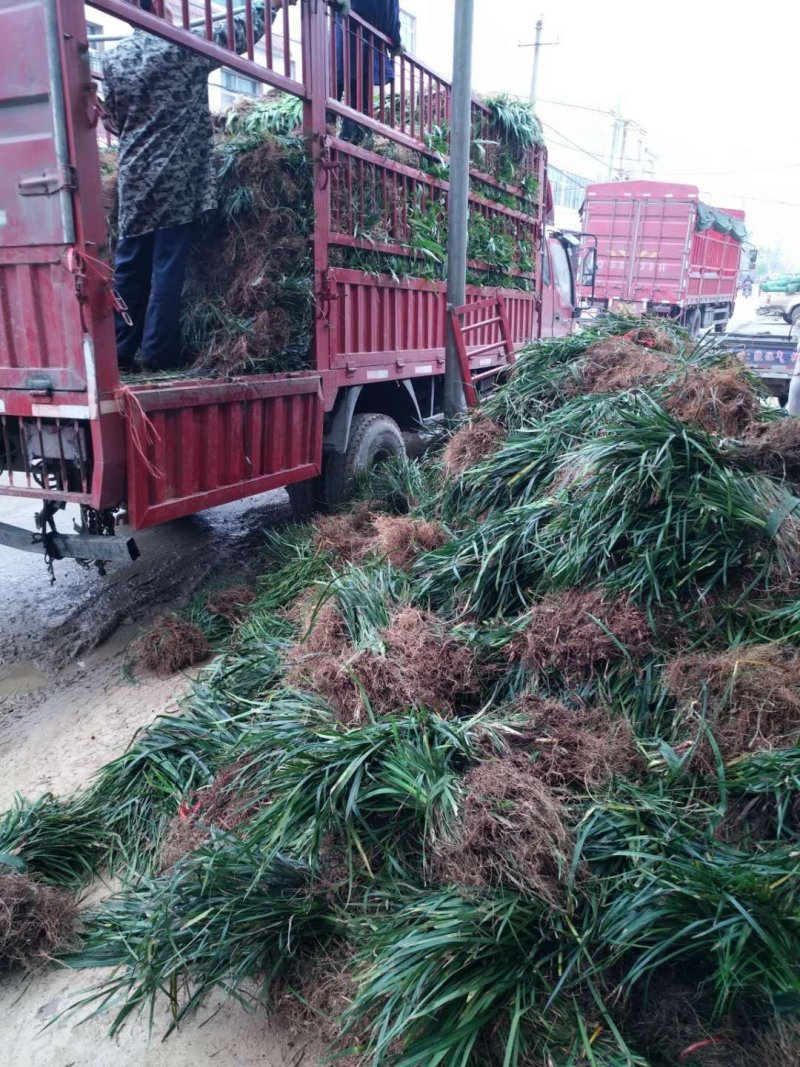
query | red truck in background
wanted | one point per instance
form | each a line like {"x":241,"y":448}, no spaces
{"x":146,"y":452}
{"x":661,"y":251}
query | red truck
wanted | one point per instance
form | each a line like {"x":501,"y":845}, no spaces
{"x":661,"y":251}
{"x":143,"y":453}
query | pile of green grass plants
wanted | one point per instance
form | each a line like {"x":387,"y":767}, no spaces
{"x":380,"y":840}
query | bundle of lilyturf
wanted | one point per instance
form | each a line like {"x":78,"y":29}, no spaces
{"x":514,"y":779}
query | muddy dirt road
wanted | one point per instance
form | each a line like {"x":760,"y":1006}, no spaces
{"x":68,"y":704}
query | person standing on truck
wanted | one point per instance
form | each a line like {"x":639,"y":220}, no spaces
{"x":377,"y":68}
{"x":156,"y":100}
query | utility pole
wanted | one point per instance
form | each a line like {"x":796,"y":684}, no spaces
{"x":615,"y":131}
{"x":458,"y":203}
{"x":621,"y":171}
{"x":537,"y":48}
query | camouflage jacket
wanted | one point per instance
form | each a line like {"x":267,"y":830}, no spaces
{"x":156,"y":95}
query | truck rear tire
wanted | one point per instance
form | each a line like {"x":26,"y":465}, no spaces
{"x":694,"y":321}
{"x":306,"y":498}
{"x":373,"y":439}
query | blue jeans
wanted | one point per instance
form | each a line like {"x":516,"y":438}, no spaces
{"x":149,"y":273}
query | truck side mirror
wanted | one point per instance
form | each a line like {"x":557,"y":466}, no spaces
{"x":589,"y":267}
{"x":753,"y":258}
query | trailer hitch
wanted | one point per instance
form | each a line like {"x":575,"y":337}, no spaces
{"x":81,"y":546}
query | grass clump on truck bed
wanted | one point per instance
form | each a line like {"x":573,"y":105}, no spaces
{"x":249,"y":299}
{"x":512,"y":796}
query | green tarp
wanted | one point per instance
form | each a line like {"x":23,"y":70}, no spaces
{"x":708,"y":218}
{"x":787,"y":283}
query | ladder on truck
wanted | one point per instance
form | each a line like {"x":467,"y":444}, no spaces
{"x":487,"y":322}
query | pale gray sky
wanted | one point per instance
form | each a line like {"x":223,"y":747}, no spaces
{"x":714,"y":84}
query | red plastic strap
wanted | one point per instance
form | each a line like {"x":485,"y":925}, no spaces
{"x":185,"y":812}
{"x":143,"y":432}
{"x":707,"y":1042}
{"x":646,"y":343}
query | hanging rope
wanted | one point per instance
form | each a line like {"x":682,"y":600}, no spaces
{"x":142,"y":431}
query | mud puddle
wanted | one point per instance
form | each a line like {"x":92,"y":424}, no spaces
{"x":21,"y":677}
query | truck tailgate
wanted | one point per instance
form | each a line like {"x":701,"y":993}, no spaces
{"x":193,"y":445}
{"x":768,"y":355}
{"x":643,"y":245}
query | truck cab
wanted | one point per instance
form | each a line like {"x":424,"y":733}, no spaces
{"x":559,"y":283}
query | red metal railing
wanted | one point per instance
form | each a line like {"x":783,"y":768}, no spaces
{"x":363,"y":200}
{"x":216,"y":28}
{"x":485,"y":322}
{"x":384,"y":206}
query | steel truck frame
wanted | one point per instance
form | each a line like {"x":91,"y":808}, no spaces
{"x":150,"y":452}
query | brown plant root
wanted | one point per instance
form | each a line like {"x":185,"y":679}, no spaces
{"x":750,"y":695}
{"x":674,"y":1017}
{"x":752,"y":819}
{"x":230,"y":603}
{"x":617,"y":363}
{"x":576,"y":633}
{"x":422,"y":666}
{"x":654,"y":337}
{"x":402,"y":539}
{"x":224,"y":805}
{"x":314,"y":996}
{"x":777,"y":1044}
{"x":36,"y":921}
{"x":773,"y":448}
{"x":171,"y":644}
{"x":477,"y":440}
{"x":360,"y":534}
{"x":321,"y":627}
{"x":574,"y":749}
{"x":512,"y":833}
{"x":348,"y":537}
{"x":720,"y":400}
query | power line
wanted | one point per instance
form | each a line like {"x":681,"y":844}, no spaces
{"x":757,"y":199}
{"x":743,"y":170}
{"x":633,"y":160}
{"x":580,"y":107}
{"x":575,"y":145}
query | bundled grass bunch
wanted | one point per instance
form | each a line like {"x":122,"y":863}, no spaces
{"x":514,"y":775}
{"x":249,"y":291}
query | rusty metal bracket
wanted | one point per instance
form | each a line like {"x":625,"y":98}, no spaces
{"x":325,"y":297}
{"x":49,"y":182}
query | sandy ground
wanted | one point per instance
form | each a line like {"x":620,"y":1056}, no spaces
{"x":223,"y":1033}
{"x":68,"y":704}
